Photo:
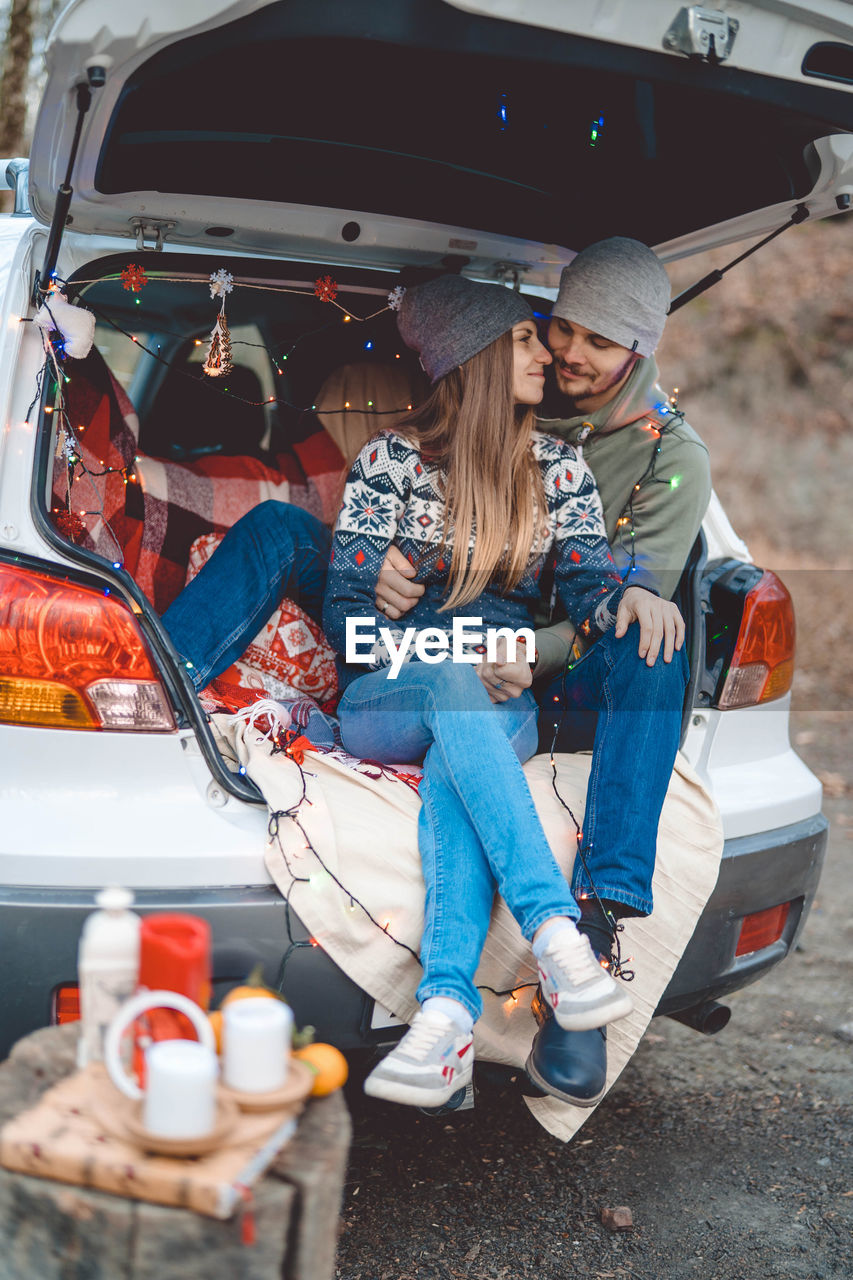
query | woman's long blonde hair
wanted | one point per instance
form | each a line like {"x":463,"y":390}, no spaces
{"x":471,"y":427}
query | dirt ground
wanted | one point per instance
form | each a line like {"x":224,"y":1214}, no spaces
{"x":732,"y":1152}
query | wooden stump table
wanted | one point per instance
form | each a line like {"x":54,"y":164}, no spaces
{"x":54,"y":1231}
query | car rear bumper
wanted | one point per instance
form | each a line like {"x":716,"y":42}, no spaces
{"x":756,"y":872}
{"x":40,"y":929}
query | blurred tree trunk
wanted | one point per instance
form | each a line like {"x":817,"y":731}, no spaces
{"x":13,"y":87}
{"x":16,"y":68}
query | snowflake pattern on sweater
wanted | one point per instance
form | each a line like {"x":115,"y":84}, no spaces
{"x":393,"y":495}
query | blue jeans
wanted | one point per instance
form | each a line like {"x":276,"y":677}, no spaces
{"x":630,"y":715}
{"x":478,"y":828}
{"x":274,"y":550}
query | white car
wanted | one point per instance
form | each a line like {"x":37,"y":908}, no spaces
{"x":285,"y":142}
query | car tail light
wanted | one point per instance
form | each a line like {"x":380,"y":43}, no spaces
{"x":73,"y":657}
{"x":762,"y":928}
{"x":66,"y":1005}
{"x":762,"y":665}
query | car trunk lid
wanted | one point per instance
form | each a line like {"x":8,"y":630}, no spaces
{"x":431,"y":132}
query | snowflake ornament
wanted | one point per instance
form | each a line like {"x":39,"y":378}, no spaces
{"x":134,"y":278}
{"x":221,"y":283}
{"x":395,"y":298}
{"x":325,"y":288}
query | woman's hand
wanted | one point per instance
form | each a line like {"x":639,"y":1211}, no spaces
{"x":395,"y":593}
{"x":506,"y":679}
{"x":659,"y":621}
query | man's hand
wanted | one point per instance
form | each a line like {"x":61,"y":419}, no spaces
{"x":659,"y":621}
{"x":506,"y":679}
{"x":395,"y":593}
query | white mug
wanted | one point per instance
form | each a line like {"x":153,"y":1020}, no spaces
{"x":180,"y":1093}
{"x":256,"y":1033}
{"x":135,"y":1008}
{"x":174,"y":1110}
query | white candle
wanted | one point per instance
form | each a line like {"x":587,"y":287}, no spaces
{"x":256,"y":1034}
{"x":180,"y":1094}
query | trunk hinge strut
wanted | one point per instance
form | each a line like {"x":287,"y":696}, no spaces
{"x":63,"y":196}
{"x":799,"y":215}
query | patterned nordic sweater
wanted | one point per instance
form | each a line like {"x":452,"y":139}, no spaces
{"x":393,"y":496}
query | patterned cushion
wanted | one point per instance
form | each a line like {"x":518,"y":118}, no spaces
{"x":288,"y":657}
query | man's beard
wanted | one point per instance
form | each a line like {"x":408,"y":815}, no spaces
{"x":618,"y":376}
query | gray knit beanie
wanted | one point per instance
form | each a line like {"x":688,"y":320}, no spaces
{"x":618,"y":288}
{"x":450,"y":319}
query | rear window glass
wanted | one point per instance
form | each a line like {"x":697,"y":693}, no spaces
{"x":287,"y":349}
{"x":518,"y":143}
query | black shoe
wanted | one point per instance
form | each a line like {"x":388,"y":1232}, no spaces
{"x":569,"y":1065}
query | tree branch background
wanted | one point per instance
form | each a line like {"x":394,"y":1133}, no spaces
{"x":25,"y":24}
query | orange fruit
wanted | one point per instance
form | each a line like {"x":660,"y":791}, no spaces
{"x":247,"y":993}
{"x":328,"y":1064}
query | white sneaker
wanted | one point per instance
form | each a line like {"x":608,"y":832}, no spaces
{"x":432,"y":1061}
{"x":581,"y":992}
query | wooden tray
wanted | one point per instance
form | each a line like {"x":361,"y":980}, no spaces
{"x":296,"y":1088}
{"x":123,"y":1118}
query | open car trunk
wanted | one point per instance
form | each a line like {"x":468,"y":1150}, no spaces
{"x":413,"y":132}
{"x":312,"y":381}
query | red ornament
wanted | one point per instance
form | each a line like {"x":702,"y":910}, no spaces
{"x":134,"y":278}
{"x":70,"y":525}
{"x":326,"y":288}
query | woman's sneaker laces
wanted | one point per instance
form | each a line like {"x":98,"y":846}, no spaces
{"x":434,"y":1059}
{"x":581,"y":991}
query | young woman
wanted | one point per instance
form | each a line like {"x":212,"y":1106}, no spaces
{"x":477,"y":500}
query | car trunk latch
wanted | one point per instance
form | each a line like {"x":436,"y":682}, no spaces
{"x":146,"y":229}
{"x":702,"y":33}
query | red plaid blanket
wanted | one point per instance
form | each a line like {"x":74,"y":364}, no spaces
{"x":150,"y":519}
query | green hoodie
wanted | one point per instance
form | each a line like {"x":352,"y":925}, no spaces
{"x":659,"y":496}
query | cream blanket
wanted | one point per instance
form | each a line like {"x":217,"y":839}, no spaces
{"x":362,"y":821}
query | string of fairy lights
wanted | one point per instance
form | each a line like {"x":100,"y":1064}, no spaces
{"x":625,"y":525}
{"x":70,"y":523}
{"x":221,"y":283}
{"x":215,"y":389}
{"x":292,"y":744}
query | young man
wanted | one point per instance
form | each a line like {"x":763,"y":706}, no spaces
{"x":653,"y":477}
